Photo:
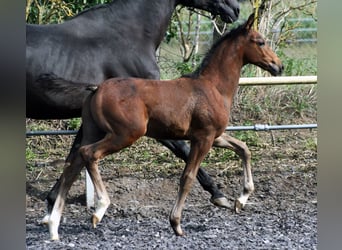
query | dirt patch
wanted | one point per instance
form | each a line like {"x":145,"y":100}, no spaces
{"x":282,"y":213}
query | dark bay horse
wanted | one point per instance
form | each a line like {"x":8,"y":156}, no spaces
{"x":195,"y":107}
{"x":110,"y":40}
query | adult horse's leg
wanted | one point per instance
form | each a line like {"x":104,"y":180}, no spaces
{"x":181,"y":150}
{"x":198,"y":151}
{"x":239,"y":147}
{"x":75,"y":145}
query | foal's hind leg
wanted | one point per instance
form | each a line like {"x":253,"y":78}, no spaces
{"x":67,"y":178}
{"x":92,"y":153}
{"x":181,"y":150}
{"x":239,"y":147}
{"x":52,"y":195}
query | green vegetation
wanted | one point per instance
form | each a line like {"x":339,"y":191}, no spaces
{"x":281,"y":22}
{"x":30,"y":157}
{"x":55,"y":11}
{"x":74,"y":123}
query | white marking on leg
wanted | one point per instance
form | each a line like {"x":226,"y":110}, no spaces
{"x":243,"y":199}
{"x":55,"y":217}
{"x":54,"y":220}
{"x":242,"y":150}
{"x":101,"y":208}
{"x":247,"y":191}
{"x":46,"y":218}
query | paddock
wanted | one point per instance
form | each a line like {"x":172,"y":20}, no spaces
{"x":283,"y":213}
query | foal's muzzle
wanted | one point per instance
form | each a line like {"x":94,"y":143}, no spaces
{"x":276,"y":69}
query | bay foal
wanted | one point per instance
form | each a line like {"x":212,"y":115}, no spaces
{"x":118,"y":39}
{"x":195,"y":107}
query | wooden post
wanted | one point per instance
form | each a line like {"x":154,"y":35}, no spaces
{"x":256,"y":5}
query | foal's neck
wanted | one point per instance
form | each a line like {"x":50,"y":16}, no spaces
{"x":224,"y":66}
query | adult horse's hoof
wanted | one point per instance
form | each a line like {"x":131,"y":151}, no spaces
{"x":238,"y":206}
{"x":220,"y":202}
{"x":94,"y":220}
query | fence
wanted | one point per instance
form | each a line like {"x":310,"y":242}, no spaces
{"x":304,"y":31}
{"x":250,"y":81}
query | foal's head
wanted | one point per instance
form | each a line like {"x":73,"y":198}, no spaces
{"x":257,"y":52}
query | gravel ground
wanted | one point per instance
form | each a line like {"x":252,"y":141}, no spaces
{"x":281,"y":214}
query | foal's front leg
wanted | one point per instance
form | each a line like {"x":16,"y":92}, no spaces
{"x":198,"y":151}
{"x":239,"y":147}
{"x":181,"y":150}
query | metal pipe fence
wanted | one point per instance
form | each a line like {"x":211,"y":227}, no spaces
{"x":256,"y":127}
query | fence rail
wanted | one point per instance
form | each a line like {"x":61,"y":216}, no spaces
{"x":256,"y":127}
{"x":304,"y":31}
{"x":277,"y":80}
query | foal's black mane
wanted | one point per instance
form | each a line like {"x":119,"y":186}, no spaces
{"x":207,"y":58}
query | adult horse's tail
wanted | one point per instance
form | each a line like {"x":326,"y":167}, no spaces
{"x":50,"y":89}
{"x":57,"y":83}
{"x":92,"y":88}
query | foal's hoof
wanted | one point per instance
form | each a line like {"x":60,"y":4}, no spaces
{"x":179,"y":232}
{"x":177,"y":228}
{"x":94,"y":220}
{"x":238,"y":206}
{"x":45,"y":220}
{"x":220,"y":202}
{"x":54,"y":237}
{"x":183,"y":234}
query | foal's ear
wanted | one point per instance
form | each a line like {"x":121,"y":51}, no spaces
{"x":250,"y":21}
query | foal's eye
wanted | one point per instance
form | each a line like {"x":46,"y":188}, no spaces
{"x":261,"y":43}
